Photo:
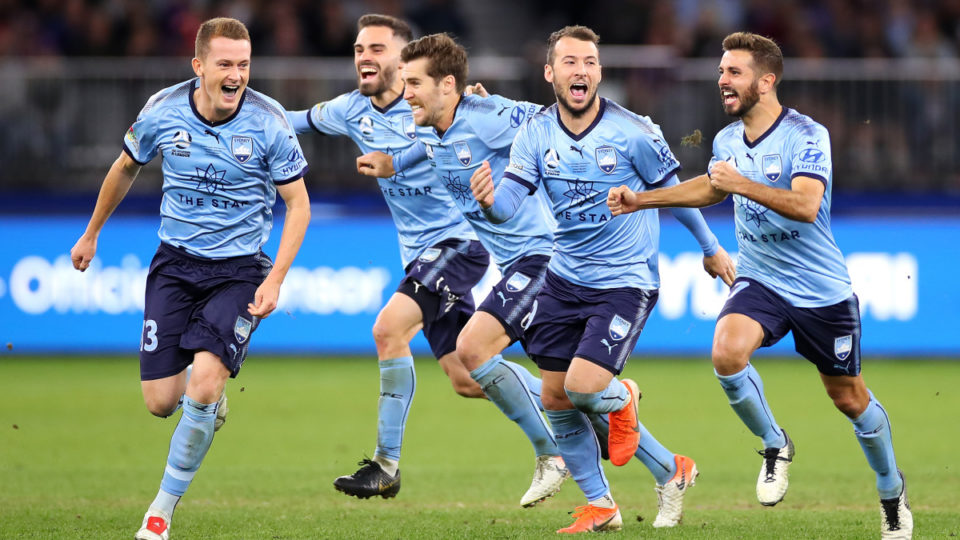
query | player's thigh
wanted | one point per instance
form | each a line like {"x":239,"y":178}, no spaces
{"x":735,"y":339}
{"x":169,"y":303}
{"x":483,"y":337}
{"x":511,"y":300}
{"x":552,"y":392}
{"x":162,"y":395}
{"x":614,"y":320}
{"x":400,"y":319}
{"x":586,"y":376}
{"x":752,"y":317}
{"x":222,"y":325}
{"x":208,"y":379}
{"x":849,"y":393}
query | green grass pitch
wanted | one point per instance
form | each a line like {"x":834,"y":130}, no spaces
{"x":80,"y":457}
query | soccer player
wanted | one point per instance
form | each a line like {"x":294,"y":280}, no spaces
{"x":440,"y":252}
{"x":791,"y":275}
{"x":456,"y":133}
{"x":227,"y":151}
{"x":602,"y":280}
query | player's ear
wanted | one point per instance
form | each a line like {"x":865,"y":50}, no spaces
{"x":548,"y":73}
{"x":767,"y":82}
{"x":197,"y":67}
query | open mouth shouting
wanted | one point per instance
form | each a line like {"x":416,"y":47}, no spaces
{"x":730,"y":98}
{"x":578,"y":91}
{"x":368,"y":73}
{"x":230,"y":91}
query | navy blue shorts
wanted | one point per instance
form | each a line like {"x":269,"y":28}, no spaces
{"x":440,"y":282}
{"x":511,"y":299}
{"x":599,"y":325}
{"x":195,"y":304}
{"x":827,"y":336}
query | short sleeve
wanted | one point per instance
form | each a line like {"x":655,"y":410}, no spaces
{"x":811,"y":155}
{"x":652,"y":157}
{"x":498,"y":129}
{"x":285,"y":157}
{"x":140,"y":142}
{"x":329,"y":117}
{"x":524,"y":166}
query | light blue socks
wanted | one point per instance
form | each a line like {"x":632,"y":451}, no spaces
{"x":872,"y":429}
{"x":745,"y":393}
{"x":398,"y":383}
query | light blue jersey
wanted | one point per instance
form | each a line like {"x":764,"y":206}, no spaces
{"x":219,"y":179}
{"x":422,"y":210}
{"x":801,"y":261}
{"x":483,"y":130}
{"x":577,"y":171}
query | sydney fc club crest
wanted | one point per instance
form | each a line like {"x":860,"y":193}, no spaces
{"x":842,"y":347}
{"x":409,"y":128}
{"x":241,"y":329}
{"x":619,"y":327}
{"x":463,"y":152}
{"x":606,"y":159}
{"x":430,"y":255}
{"x":517,"y":282}
{"x":242,"y":148}
{"x":772,"y":167}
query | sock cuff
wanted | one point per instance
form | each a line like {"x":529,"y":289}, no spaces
{"x":197,"y":410}
{"x":401,"y":362}
{"x":487,"y":367}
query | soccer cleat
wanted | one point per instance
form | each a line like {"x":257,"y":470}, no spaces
{"x":592,"y":518}
{"x":549,"y":475}
{"x":670,"y":495}
{"x":896,"y":519}
{"x":773,"y":480}
{"x":369,"y":481}
{"x":624,"y":434}
{"x":222,"y":411}
{"x":156,"y":526}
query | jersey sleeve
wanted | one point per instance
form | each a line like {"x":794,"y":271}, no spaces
{"x":330,"y":117}
{"x":524,"y":166}
{"x":810,"y":155}
{"x":140,"y":142}
{"x":285,"y":157}
{"x":499,"y":127}
{"x":652,"y":157}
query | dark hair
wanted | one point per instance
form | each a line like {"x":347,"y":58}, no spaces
{"x":764,"y":51}
{"x":219,"y":27}
{"x":400,"y":28}
{"x":576,"y":32}
{"x":446,"y":57}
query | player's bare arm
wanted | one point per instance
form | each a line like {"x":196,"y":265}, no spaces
{"x":376,"y":164}
{"x":694,"y":193}
{"x":721,"y":265}
{"x":295,"y":224}
{"x":801,"y":202}
{"x":115,"y":186}
{"x":481,"y":184}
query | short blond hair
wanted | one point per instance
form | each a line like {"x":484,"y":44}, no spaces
{"x":219,"y":27}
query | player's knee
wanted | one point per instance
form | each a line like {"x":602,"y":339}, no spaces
{"x":469,"y":353}
{"x":849,"y":403}
{"x":553,"y":401}
{"x":161,"y":407}
{"x":466,"y":387}
{"x":728,"y":358}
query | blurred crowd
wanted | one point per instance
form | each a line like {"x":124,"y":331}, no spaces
{"x":806,"y":28}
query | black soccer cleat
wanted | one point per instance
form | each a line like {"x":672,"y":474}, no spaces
{"x":369,"y":481}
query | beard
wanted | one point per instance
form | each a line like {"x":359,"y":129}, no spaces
{"x":747,"y":99}
{"x":564,"y":101}
{"x":378,"y":86}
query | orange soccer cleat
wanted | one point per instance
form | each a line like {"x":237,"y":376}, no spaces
{"x":624,"y":428}
{"x":592,"y":518}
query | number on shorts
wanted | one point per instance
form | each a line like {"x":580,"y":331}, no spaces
{"x":148,"y":340}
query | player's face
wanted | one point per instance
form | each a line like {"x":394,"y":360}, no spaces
{"x":224,"y":74}
{"x":739,"y":82}
{"x":575,"y":74}
{"x":376,"y":54}
{"x":424,"y":95}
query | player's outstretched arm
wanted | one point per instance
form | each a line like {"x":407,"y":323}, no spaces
{"x":115,"y":186}
{"x":295,"y":224}
{"x":376,"y":164}
{"x":694,"y":193}
{"x":801,"y":202}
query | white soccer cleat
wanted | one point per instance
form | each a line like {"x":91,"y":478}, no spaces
{"x":549,"y":475}
{"x":773,"y":480}
{"x":670,"y":495}
{"x":896,"y":519}
{"x":156,"y":526}
{"x":222,"y":411}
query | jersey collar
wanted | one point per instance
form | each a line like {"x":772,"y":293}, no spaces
{"x":388,"y":106}
{"x":783,"y":113}
{"x":193,"y":105}
{"x":584,"y":133}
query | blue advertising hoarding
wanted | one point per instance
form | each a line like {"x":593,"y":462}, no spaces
{"x":348,"y":268}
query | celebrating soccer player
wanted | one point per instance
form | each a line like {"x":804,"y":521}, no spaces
{"x":227,"y":151}
{"x":602,"y":281}
{"x":791,"y":276}
{"x":440,"y":253}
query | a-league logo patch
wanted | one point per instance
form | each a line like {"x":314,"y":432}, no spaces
{"x":464,"y":156}
{"x":772,"y":167}
{"x":366,"y":125}
{"x":551,"y":158}
{"x":409,"y":127}
{"x":606,"y":158}
{"x":842,"y":347}
{"x":429,"y":151}
{"x":517,"y":282}
{"x":241,"y":329}
{"x":619,"y":327}
{"x":242,"y":148}
{"x":430,"y":255}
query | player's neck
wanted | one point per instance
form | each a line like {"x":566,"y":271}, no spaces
{"x":207,"y":109}
{"x":761,"y":117}
{"x":576,"y":124}
{"x":449,"y":113}
{"x":389,"y":95}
